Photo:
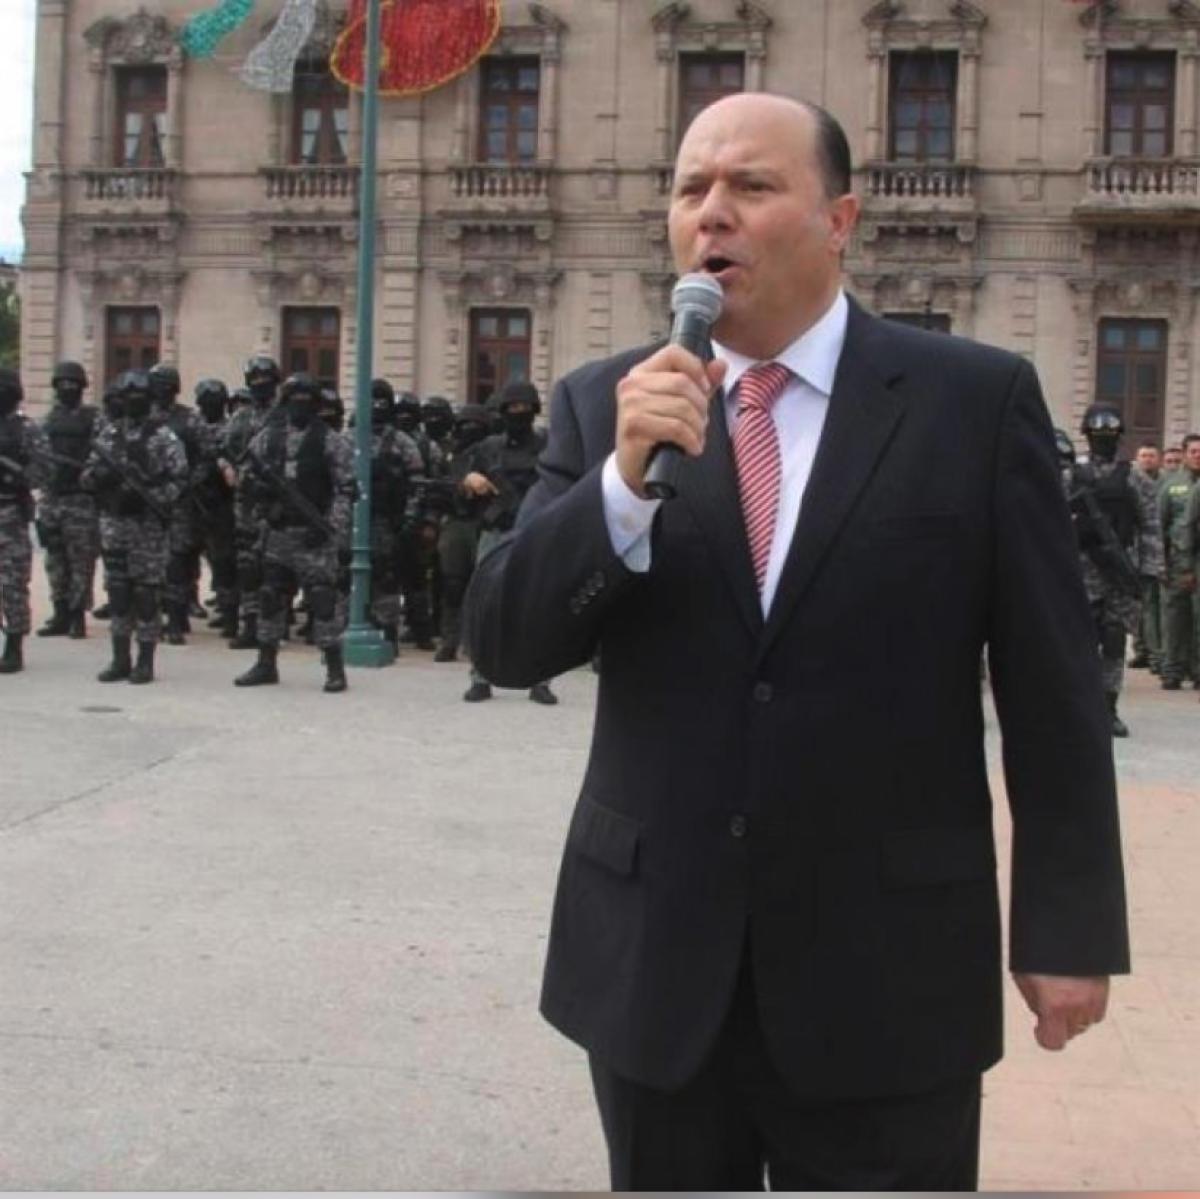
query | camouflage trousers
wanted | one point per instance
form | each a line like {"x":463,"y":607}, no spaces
{"x":1116,"y":614}
{"x":1148,"y":641}
{"x":16,"y":569}
{"x":1181,"y":631}
{"x":248,"y":528}
{"x":183,"y":554}
{"x":218,"y":534}
{"x":69,"y":531}
{"x":290,"y":564}
{"x":135,"y":550}
{"x":387,"y":564}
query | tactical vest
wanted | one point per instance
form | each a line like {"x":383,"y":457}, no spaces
{"x":389,"y":479}
{"x":1115,"y":497}
{"x":518,"y":463}
{"x":314,"y":479}
{"x":12,"y":447}
{"x":70,"y":432}
{"x":177,"y":418}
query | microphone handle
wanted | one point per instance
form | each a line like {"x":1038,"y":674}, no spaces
{"x":661,"y":481}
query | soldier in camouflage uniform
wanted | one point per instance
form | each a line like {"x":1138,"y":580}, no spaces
{"x":419,"y":542}
{"x":501,"y":469}
{"x":262,"y":382}
{"x":396,"y":466}
{"x":1147,"y":642}
{"x":185,"y":534}
{"x":303,"y":474}
{"x":1189,"y":547}
{"x":68,"y":525}
{"x":458,"y":538}
{"x":213,"y":499}
{"x":22,"y":465}
{"x":137,"y":470}
{"x":1181,"y":629}
{"x":1115,"y":511}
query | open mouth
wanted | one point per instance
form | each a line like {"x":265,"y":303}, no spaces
{"x":714,"y":264}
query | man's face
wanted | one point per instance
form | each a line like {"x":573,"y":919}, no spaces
{"x":1148,"y":459}
{"x":1172,"y":459}
{"x":1191,"y":456}
{"x":749,"y":208}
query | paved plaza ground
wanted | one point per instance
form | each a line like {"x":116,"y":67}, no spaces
{"x":276,"y":939}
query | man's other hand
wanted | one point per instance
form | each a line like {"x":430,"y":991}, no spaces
{"x":664,"y":399}
{"x":1064,"y":1007}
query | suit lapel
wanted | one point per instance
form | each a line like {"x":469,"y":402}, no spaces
{"x":708,"y":485}
{"x":863,"y":414}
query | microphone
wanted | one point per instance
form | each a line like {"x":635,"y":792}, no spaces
{"x":696,"y":302}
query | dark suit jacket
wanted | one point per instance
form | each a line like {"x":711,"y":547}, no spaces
{"x":817,"y":781}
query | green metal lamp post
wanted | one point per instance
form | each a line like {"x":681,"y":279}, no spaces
{"x":365,"y":645}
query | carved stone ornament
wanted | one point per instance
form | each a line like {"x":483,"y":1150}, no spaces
{"x":551,"y":22}
{"x":141,"y":38}
{"x":888,"y":13}
{"x":883,"y":13}
{"x":671,"y":15}
{"x":753,"y":15}
{"x":1098,"y":10}
{"x":1184,"y":11}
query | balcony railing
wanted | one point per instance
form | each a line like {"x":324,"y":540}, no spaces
{"x":119,"y":184}
{"x":920,"y":181}
{"x":1120,"y":179}
{"x":337,"y":184}
{"x":524,"y":185}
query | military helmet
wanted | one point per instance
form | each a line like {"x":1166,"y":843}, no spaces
{"x":1102,"y":418}
{"x":520,"y":391}
{"x":70,"y":372}
{"x":473,"y":414}
{"x":381,"y":389}
{"x":408,"y":404}
{"x":212,"y":387}
{"x":164,"y":379}
{"x":300,"y":384}
{"x":239,"y":398}
{"x":437,"y":406}
{"x":11,"y":390}
{"x":333,"y":407}
{"x":262,"y":368}
{"x":1064,"y":447}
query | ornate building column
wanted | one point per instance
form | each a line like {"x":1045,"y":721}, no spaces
{"x":968,"y":102}
{"x":173,"y":124}
{"x":1188,"y":58}
{"x":876,"y":60}
{"x":552,"y":28}
{"x":1093,"y":122}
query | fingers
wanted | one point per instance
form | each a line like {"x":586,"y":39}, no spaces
{"x":663,"y":400}
{"x":1065,"y":1007}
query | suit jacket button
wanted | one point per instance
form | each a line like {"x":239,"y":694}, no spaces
{"x":763,"y":693}
{"x":737,"y":825}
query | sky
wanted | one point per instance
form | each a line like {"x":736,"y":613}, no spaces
{"x":17,"y":19}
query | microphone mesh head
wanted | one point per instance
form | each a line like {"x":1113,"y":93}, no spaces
{"x":698,"y":293}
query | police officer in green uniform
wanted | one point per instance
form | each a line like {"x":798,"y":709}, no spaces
{"x":1179,"y":588}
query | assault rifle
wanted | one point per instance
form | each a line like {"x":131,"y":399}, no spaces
{"x":1100,"y":542}
{"x":19,"y":480}
{"x":288,"y":494}
{"x":129,"y":476}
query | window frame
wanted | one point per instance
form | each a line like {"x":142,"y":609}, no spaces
{"x":330,"y":90}
{"x":924,"y":94}
{"x":477,"y":342}
{"x":144,"y":349}
{"x":712,"y":58}
{"x":1139,"y":97}
{"x":1131,"y":358}
{"x":151,"y":153}
{"x":515,"y":100}
{"x":311,"y":344}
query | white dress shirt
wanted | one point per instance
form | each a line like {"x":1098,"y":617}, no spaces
{"x":799,"y":416}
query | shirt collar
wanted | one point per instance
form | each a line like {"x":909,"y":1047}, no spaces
{"x":813,"y":356}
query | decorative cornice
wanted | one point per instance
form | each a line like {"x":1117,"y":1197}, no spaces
{"x":883,"y":14}
{"x":670,"y":16}
{"x":1184,"y":11}
{"x":968,"y":14}
{"x":141,"y":38}
{"x":754,"y":15}
{"x":551,"y":22}
{"x":1098,"y":10}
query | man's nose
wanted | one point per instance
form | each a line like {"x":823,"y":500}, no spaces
{"x":717,"y":211}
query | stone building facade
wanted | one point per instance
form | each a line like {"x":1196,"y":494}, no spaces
{"x":1029,"y":172}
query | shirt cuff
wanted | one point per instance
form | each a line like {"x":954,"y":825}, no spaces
{"x":629,"y":518}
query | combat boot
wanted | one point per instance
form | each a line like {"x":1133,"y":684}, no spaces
{"x":103,"y":612}
{"x":12,"y":661}
{"x":121,"y":665}
{"x":143,"y":672}
{"x":59,"y":625}
{"x":540,"y":693}
{"x":247,"y":638}
{"x":1139,"y":661}
{"x":446,"y":654}
{"x":175,"y":624}
{"x":476,"y":693}
{"x":264,"y":671}
{"x":1119,"y":727}
{"x":335,"y":670}
{"x":78,"y":629}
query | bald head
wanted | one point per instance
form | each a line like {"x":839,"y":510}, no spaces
{"x":806,"y":129}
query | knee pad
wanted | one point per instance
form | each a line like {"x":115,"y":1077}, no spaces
{"x":322,"y":601}
{"x":1112,"y":641}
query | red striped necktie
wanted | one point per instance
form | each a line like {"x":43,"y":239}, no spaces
{"x":756,"y":453}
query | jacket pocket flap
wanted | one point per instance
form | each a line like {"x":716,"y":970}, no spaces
{"x":603,"y":836}
{"x":926,"y":857}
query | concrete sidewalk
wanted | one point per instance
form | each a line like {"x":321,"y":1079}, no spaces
{"x":278,"y":940}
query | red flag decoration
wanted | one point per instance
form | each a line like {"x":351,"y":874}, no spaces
{"x":425,"y":42}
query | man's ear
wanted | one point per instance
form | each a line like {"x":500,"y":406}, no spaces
{"x":843,"y":216}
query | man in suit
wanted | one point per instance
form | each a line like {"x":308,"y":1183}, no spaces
{"x":777,"y":931}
